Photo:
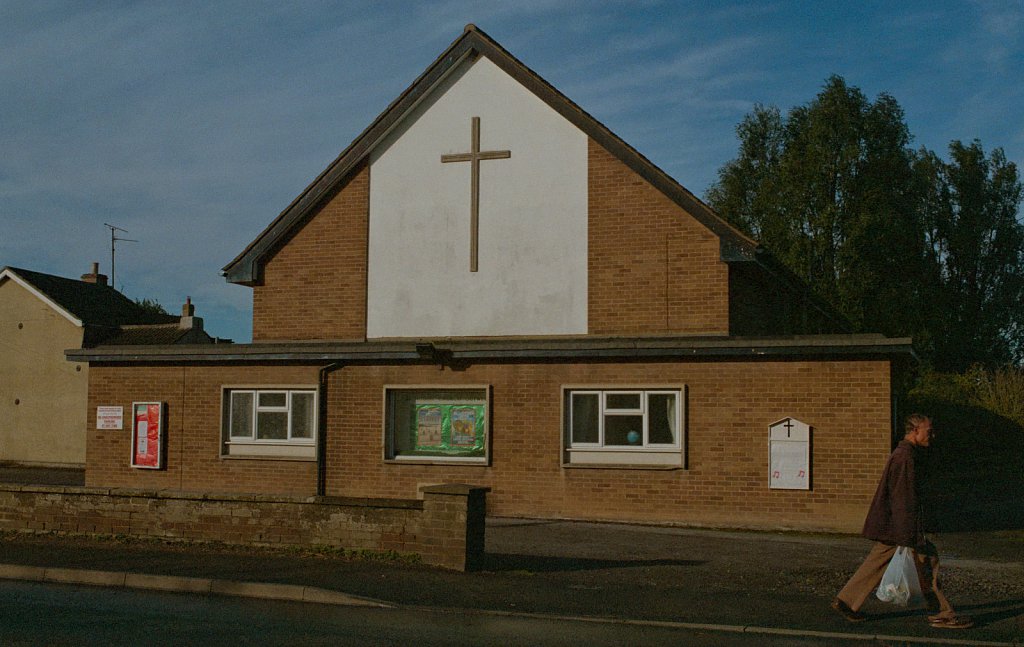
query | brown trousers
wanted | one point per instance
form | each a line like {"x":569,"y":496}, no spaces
{"x":865,"y":581}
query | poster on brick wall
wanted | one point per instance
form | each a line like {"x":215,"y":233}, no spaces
{"x":109,"y":417}
{"x":147,"y":435}
{"x":789,"y":449}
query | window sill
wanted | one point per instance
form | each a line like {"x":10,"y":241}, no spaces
{"x":620,"y":466}
{"x":429,"y":460}
{"x":643,"y":458}
{"x":273,"y":451}
{"x":290,"y":459}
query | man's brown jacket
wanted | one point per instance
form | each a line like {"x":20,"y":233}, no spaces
{"x":895,"y":517}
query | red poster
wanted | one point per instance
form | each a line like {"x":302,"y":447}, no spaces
{"x":147,"y":434}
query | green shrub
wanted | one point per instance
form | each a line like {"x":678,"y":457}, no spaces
{"x":1000,"y":392}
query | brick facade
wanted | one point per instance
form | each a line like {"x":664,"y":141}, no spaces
{"x":729,"y":407}
{"x":314,"y":286}
{"x":192,"y":395}
{"x":653,"y":269}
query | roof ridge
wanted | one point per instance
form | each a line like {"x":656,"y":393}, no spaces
{"x":91,"y":303}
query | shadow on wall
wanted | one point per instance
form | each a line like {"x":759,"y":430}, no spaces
{"x":974,"y":475}
{"x":31,"y":475}
{"x":496,"y":562}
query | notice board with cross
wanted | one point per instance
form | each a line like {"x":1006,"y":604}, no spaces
{"x":789,"y":450}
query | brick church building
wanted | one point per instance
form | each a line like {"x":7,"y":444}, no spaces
{"x":490,"y":287}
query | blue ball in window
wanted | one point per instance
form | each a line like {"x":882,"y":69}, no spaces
{"x":633,"y":437}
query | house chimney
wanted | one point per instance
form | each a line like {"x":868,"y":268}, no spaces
{"x":95,"y":276}
{"x":188,"y":319}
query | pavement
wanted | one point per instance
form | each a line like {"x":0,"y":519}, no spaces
{"x":770,"y":583}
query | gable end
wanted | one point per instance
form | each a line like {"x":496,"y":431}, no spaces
{"x":244,"y":269}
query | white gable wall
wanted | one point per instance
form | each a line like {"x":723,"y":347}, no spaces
{"x":532,"y":277}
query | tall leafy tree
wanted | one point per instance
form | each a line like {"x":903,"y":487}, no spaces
{"x":969,"y":208}
{"x":830,"y":190}
{"x":901,"y":241}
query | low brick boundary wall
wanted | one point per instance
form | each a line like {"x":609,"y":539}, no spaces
{"x":446,"y":527}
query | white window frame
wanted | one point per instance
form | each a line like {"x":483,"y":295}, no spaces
{"x":251,"y":446}
{"x":390,"y":455}
{"x":645,"y":453}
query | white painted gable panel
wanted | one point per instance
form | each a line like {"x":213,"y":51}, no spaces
{"x":532,"y":275}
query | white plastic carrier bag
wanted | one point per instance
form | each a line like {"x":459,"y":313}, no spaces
{"x":900,"y":584}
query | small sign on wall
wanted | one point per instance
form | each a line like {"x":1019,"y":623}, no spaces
{"x":110,"y":417}
{"x":789,"y":450}
{"x":148,"y":435}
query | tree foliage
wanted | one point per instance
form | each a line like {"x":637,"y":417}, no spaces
{"x":151,"y":306}
{"x":974,"y":246}
{"x":899,"y":240}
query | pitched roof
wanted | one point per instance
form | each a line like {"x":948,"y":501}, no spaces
{"x":156,"y":335}
{"x":91,"y":304}
{"x":245,"y":267}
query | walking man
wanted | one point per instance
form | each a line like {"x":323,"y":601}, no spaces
{"x":894,"y":520}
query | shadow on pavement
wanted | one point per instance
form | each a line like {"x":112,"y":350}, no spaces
{"x":544,"y":564}
{"x":986,"y":614}
{"x":982,"y":614}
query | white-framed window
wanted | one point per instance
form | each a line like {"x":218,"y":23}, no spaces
{"x":623,"y":425}
{"x":279,"y":422}
{"x":437,"y":424}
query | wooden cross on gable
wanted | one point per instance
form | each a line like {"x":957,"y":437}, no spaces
{"x":474,"y":157}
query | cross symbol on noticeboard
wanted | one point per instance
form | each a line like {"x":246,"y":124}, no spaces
{"x":789,"y":427}
{"x":474,"y":157}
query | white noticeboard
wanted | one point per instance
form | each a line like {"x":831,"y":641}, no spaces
{"x":110,"y":417}
{"x":789,"y":449}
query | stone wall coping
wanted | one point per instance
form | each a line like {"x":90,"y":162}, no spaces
{"x":360,"y":502}
{"x":454,"y":489}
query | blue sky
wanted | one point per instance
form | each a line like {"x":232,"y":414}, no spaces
{"x":192,"y":125}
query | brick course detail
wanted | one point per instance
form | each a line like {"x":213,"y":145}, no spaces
{"x":729,"y":406}
{"x":446,"y":528}
{"x":314,"y":286}
{"x":652,"y":267}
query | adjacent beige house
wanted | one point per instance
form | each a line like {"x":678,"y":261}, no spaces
{"x":42,"y":395}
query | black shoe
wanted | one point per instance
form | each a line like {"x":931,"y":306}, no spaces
{"x":844,"y":610}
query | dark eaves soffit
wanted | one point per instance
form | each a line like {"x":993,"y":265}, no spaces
{"x":244,"y":269}
{"x":511,"y":349}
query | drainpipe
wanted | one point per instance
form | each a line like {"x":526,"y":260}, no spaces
{"x":321,"y":435}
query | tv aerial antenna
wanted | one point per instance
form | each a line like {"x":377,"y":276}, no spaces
{"x":113,"y":244}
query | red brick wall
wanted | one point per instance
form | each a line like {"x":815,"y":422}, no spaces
{"x":653,"y":268}
{"x":193,"y":404}
{"x":730,"y":407}
{"x":314,"y":286}
{"x":731,"y":404}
